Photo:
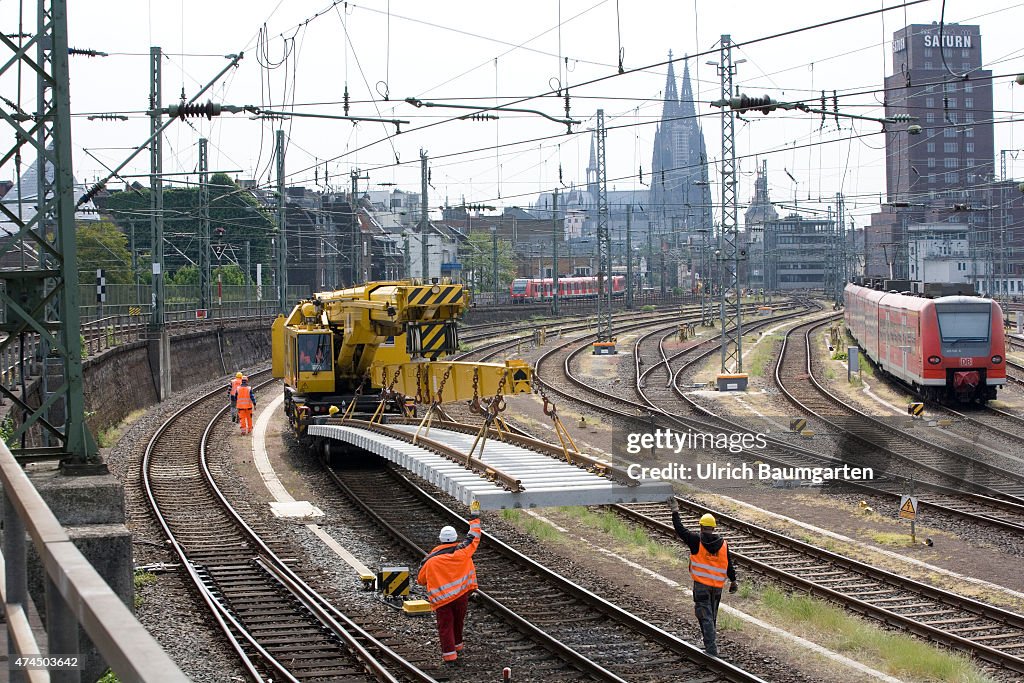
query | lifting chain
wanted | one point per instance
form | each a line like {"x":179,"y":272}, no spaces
{"x":385,"y":395}
{"x":394,"y":380}
{"x":497,"y":404}
{"x":491,"y":413}
{"x":564,"y":438}
{"x":420,"y":398}
{"x":549,"y":406}
{"x":440,"y":388}
{"x":474,"y":403}
{"x":350,"y":408}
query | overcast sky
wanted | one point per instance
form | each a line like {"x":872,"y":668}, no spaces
{"x":302,"y":53}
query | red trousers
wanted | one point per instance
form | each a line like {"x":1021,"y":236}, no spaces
{"x":450,"y":619}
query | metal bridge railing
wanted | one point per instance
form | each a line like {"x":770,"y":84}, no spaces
{"x":76,"y":595}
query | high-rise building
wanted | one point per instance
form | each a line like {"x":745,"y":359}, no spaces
{"x":680,"y":196}
{"x":951,"y":96}
{"x":937,"y":77}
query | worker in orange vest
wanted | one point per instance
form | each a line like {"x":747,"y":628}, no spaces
{"x":710,"y":565}
{"x":449,"y":574}
{"x":245,"y":400}
{"x":232,"y":392}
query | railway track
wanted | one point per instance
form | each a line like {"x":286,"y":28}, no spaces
{"x":279,"y":626}
{"x":989,"y":633}
{"x":619,"y":405}
{"x":881,"y":443}
{"x":938,"y":498}
{"x":987,"y":420}
{"x":491,"y":349}
{"x":1015,"y":370}
{"x":657,"y":387}
{"x":585,"y":635}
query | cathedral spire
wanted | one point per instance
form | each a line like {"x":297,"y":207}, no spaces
{"x":671,"y":93}
{"x":592,"y":167}
{"x":686,"y":101}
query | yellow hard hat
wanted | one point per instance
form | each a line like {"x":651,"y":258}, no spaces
{"x":332,"y":410}
{"x":708,"y":520}
{"x":238,"y":375}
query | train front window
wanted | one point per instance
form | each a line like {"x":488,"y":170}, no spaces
{"x":519,"y":286}
{"x":315,"y":352}
{"x":964,"y":324}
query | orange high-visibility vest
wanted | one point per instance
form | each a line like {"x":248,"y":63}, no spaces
{"x":710,"y":569}
{"x":243,"y":397}
{"x":235,"y":383}
{"x":449,"y":572}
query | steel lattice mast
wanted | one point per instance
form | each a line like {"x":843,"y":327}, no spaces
{"x":604,"y":243}
{"x":728,"y":251}
{"x":45,"y":244}
{"x":205,"y":275}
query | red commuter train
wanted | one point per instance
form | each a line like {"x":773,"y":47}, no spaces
{"x":948,"y":349}
{"x":525,"y":290}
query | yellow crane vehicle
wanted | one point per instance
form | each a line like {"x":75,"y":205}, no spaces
{"x":370,"y":349}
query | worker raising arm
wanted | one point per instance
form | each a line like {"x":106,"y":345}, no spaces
{"x":449,"y":574}
{"x":710,"y":565}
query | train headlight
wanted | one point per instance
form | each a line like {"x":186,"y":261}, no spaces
{"x":997,"y":359}
{"x":934,"y":360}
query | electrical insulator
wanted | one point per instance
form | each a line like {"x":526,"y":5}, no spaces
{"x":86,"y":52}
{"x":184,"y":111}
{"x":479,"y":116}
{"x":901,"y":118}
{"x":763,"y":104}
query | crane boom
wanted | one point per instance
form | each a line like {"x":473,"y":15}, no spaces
{"x":338,"y":346}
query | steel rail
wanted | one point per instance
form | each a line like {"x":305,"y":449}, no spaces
{"x":348,"y":633}
{"x":946,"y":599}
{"x":650,"y":631}
{"x":792,"y":450}
{"x":875,"y":488}
{"x":997,"y":473}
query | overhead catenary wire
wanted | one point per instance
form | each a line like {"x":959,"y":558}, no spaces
{"x":628,"y":72}
{"x":469,"y":152}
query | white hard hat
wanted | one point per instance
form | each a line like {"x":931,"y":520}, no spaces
{"x":447,"y":535}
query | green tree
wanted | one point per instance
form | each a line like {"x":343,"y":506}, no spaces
{"x":478,"y":262}
{"x":102,"y":245}
{"x":186,"y":275}
{"x":232,"y":210}
{"x":229,"y":275}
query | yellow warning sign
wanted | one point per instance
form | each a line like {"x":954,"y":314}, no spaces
{"x":908,"y":508}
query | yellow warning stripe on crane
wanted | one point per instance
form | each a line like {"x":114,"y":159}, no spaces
{"x":435,"y":295}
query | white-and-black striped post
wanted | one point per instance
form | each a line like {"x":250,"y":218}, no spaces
{"x":101,"y":291}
